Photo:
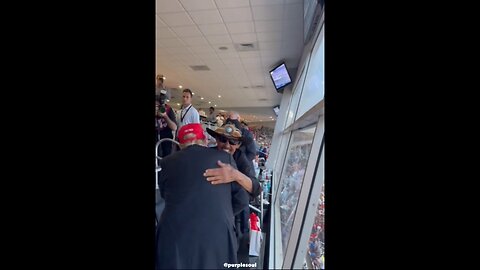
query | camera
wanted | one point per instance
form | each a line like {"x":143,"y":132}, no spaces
{"x":159,"y":108}
{"x":162,"y":108}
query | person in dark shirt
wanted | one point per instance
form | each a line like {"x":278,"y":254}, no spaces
{"x":166,"y":123}
{"x":229,"y":139}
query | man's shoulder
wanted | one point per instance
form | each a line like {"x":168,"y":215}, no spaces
{"x":215,"y":151}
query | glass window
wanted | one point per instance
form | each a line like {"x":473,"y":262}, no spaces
{"x":292,"y":179}
{"x":316,"y":241}
{"x":297,"y":92}
{"x":314,"y":88}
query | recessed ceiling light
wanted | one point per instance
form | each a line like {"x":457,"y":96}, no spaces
{"x":209,"y":102}
{"x":180,"y":86}
{"x":168,"y":100}
{"x":193,"y":93}
{"x":201,"y":98}
{"x":178,"y":104}
{"x":215,"y":105}
{"x":219,"y":96}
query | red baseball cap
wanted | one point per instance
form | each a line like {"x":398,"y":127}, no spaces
{"x":190,"y":132}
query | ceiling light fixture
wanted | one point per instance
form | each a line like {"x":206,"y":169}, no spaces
{"x":201,"y":98}
{"x":180,"y":86}
{"x":219,"y":96}
{"x":209,"y":102}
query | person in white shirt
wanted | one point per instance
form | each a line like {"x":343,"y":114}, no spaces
{"x":188,"y":114}
{"x":212,"y":117}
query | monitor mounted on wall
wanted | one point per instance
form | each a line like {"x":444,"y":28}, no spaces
{"x":280,"y":77}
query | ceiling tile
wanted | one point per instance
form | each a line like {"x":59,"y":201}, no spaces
{"x":225,"y":53}
{"x":171,"y":42}
{"x":213,"y":29}
{"x":164,"y":32}
{"x":251,"y":61}
{"x":186,"y":57}
{"x":265,"y":2}
{"x":194,"y":41}
{"x":187,"y":31}
{"x":270,"y":46}
{"x":244,"y":38}
{"x":214,"y":61}
{"x":236,"y":14}
{"x":253,"y":68}
{"x":207,"y":56}
{"x":240,"y":27}
{"x":202,"y":49}
{"x":191,"y":5}
{"x":270,"y":54}
{"x":168,"y":6}
{"x":206,"y":17}
{"x":218,"y":66}
{"x":270,"y":36}
{"x":232,"y":3}
{"x":178,"y":50}
{"x":268,"y":26}
{"x":253,"y":54}
{"x":193,"y":62}
{"x":269,"y":62}
{"x":176,"y":19}
{"x":159,"y":22}
{"x":268,"y":13}
{"x":219,"y":39}
{"x":232,"y":62}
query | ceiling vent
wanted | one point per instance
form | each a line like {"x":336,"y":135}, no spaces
{"x":263,"y":99}
{"x":259,"y":86}
{"x":246,"y":47}
{"x":200,"y":67}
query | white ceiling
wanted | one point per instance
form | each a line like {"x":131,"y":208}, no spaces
{"x":190,"y":32}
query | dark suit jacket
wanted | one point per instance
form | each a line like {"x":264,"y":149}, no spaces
{"x":196,"y":229}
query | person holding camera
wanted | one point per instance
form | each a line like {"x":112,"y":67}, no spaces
{"x":165,"y":123}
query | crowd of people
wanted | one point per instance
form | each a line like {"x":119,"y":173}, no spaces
{"x":204,"y":186}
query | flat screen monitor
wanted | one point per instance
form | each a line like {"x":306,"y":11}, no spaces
{"x":276,"y":109}
{"x":280,"y":77}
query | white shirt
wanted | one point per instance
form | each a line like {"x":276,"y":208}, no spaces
{"x":189,"y":115}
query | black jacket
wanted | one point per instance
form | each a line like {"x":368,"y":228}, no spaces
{"x":246,"y":167}
{"x":196,"y":229}
{"x":248,"y":145}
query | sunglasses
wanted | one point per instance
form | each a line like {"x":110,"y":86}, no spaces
{"x":230,"y":141}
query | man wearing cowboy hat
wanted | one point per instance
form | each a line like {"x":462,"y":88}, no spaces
{"x":229,"y":139}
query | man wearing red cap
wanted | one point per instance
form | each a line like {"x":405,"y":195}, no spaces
{"x":196,"y":229}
